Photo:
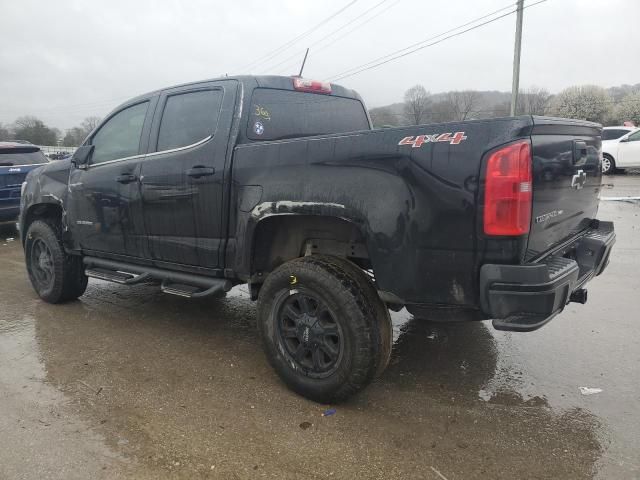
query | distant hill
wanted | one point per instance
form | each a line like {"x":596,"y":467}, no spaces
{"x":486,"y":104}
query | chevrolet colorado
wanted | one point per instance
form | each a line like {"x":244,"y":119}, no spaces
{"x":282,"y":184}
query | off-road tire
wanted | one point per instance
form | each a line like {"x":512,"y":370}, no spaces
{"x":67,"y":280}
{"x":348,"y":296}
{"x":383,"y":317}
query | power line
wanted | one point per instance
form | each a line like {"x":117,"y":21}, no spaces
{"x":421,"y":42}
{"x":396,"y":55}
{"x":349,"y":32}
{"x":291,"y":42}
{"x":334,"y":32}
{"x":358,"y":26}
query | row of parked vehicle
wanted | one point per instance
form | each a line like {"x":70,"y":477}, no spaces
{"x":620,"y":148}
{"x":16,"y":160}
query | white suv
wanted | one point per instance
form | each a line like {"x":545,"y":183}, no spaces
{"x":620,"y":148}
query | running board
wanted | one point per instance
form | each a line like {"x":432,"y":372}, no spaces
{"x":115,"y":276}
{"x":189,"y":291}
{"x":176,"y":283}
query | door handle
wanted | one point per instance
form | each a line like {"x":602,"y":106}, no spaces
{"x":201,"y":171}
{"x":126,"y":178}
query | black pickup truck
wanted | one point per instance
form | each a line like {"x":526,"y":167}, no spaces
{"x":282,"y":184}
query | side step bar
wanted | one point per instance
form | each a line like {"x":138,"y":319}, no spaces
{"x":117,"y":277}
{"x":176,"y":283}
{"x":189,"y":291}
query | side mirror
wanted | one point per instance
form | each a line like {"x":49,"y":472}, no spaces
{"x":81,"y":156}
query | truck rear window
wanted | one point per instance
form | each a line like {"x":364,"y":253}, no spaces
{"x":10,"y":158}
{"x":278,"y":114}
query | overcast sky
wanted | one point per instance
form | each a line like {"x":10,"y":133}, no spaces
{"x":64,"y":60}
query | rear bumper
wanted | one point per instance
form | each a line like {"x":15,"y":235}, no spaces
{"x":525,"y":297}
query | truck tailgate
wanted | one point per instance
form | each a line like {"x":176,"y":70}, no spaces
{"x":566,"y":180}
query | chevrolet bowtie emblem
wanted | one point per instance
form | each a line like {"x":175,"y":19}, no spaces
{"x":578,"y":180}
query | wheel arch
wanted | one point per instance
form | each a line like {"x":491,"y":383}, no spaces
{"x":277,"y":239}
{"x":41,"y":211}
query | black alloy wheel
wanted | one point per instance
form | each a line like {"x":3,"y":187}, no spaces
{"x":310,"y":334}
{"x":41,"y":262}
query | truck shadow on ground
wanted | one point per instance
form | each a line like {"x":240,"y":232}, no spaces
{"x":168,"y":380}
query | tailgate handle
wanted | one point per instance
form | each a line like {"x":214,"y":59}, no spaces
{"x":579,"y":152}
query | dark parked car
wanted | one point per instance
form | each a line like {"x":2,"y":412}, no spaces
{"x":281,"y":183}
{"x":16,"y":160}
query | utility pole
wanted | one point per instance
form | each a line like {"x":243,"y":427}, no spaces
{"x":515,"y":86}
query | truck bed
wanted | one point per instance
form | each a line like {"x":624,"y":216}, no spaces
{"x":416,"y":194}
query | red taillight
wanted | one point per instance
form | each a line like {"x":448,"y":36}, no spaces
{"x":304,"y":85}
{"x":508,"y":190}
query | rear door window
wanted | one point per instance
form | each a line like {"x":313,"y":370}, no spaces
{"x":189,"y":118}
{"x":278,"y":114}
{"x":120,"y":136}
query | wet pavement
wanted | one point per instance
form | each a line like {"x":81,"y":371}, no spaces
{"x":132,"y":383}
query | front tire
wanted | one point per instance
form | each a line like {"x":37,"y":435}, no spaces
{"x":56,"y":277}
{"x":320,"y":328}
{"x":608,"y":165}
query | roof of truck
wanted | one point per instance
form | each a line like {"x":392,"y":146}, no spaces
{"x":262,"y":81}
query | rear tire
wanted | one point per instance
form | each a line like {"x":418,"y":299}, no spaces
{"x":608,"y":165}
{"x":385,"y":326}
{"x":56,"y":277}
{"x":320,"y":327}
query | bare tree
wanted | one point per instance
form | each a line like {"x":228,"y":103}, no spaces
{"x":383,"y":116}
{"x":441,"y":112}
{"x":5,"y":133}
{"x":417,"y":103}
{"x":534,"y":101}
{"x":34,"y":130}
{"x":462,"y":103}
{"x":25,"y":122}
{"x":76,"y":135}
{"x":89,"y":123}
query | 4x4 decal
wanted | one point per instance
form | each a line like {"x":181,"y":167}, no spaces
{"x":418,"y":140}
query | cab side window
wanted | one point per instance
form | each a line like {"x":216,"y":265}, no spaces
{"x":120,"y":136}
{"x":189,"y":118}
